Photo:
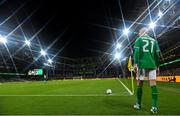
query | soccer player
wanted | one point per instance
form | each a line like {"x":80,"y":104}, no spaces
{"x":146,"y":62}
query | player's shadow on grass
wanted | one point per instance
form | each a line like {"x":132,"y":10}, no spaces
{"x":114,"y":103}
{"x":124,"y":106}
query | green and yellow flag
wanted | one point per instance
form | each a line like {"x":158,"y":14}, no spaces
{"x":130,"y":66}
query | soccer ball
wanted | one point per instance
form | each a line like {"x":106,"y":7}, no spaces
{"x":108,"y":91}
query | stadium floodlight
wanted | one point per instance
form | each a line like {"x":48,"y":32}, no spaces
{"x":160,"y":14}
{"x":27,"y":42}
{"x":117,"y":55}
{"x":43,"y":53}
{"x":47,"y":64}
{"x":50,"y":61}
{"x":3,"y":40}
{"x":126,"y":31}
{"x":118,"y":46}
{"x":152,"y":25}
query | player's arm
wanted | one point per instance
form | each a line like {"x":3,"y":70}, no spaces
{"x":158,"y":71}
{"x":136,"y":54}
{"x":157,"y":57}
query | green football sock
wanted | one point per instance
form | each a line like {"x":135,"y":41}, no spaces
{"x":154,"y":96}
{"x":139,"y":94}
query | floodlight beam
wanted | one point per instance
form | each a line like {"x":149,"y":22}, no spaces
{"x":118,"y":46}
{"x":117,"y":55}
{"x":126,"y":31}
{"x":160,"y":14}
{"x":3,"y":40}
{"x":27,"y":42}
{"x":152,"y":25}
{"x":43,"y":53}
{"x":50,"y":61}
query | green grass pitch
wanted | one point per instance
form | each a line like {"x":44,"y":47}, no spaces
{"x":83,"y":97}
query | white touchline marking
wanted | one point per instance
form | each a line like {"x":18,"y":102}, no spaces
{"x":125,"y":87}
{"x":88,"y":95}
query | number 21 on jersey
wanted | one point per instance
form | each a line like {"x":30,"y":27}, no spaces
{"x":146,"y":45}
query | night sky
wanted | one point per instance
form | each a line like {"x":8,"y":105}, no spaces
{"x":77,"y":21}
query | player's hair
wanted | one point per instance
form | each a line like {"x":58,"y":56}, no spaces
{"x":143,"y":31}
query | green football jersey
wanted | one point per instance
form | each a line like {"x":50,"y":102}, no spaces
{"x":146,"y":52}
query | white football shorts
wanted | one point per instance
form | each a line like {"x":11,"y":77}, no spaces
{"x":142,"y":73}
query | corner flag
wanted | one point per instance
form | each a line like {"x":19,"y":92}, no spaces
{"x":130,"y":67}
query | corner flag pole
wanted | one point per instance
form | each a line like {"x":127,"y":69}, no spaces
{"x":130,"y":67}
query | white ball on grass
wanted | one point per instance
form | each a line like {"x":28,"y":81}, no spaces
{"x":108,"y":91}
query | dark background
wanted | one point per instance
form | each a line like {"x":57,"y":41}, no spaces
{"x":84,"y":27}
{"x":78,"y":19}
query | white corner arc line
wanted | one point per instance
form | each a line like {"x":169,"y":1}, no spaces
{"x":125,"y":87}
